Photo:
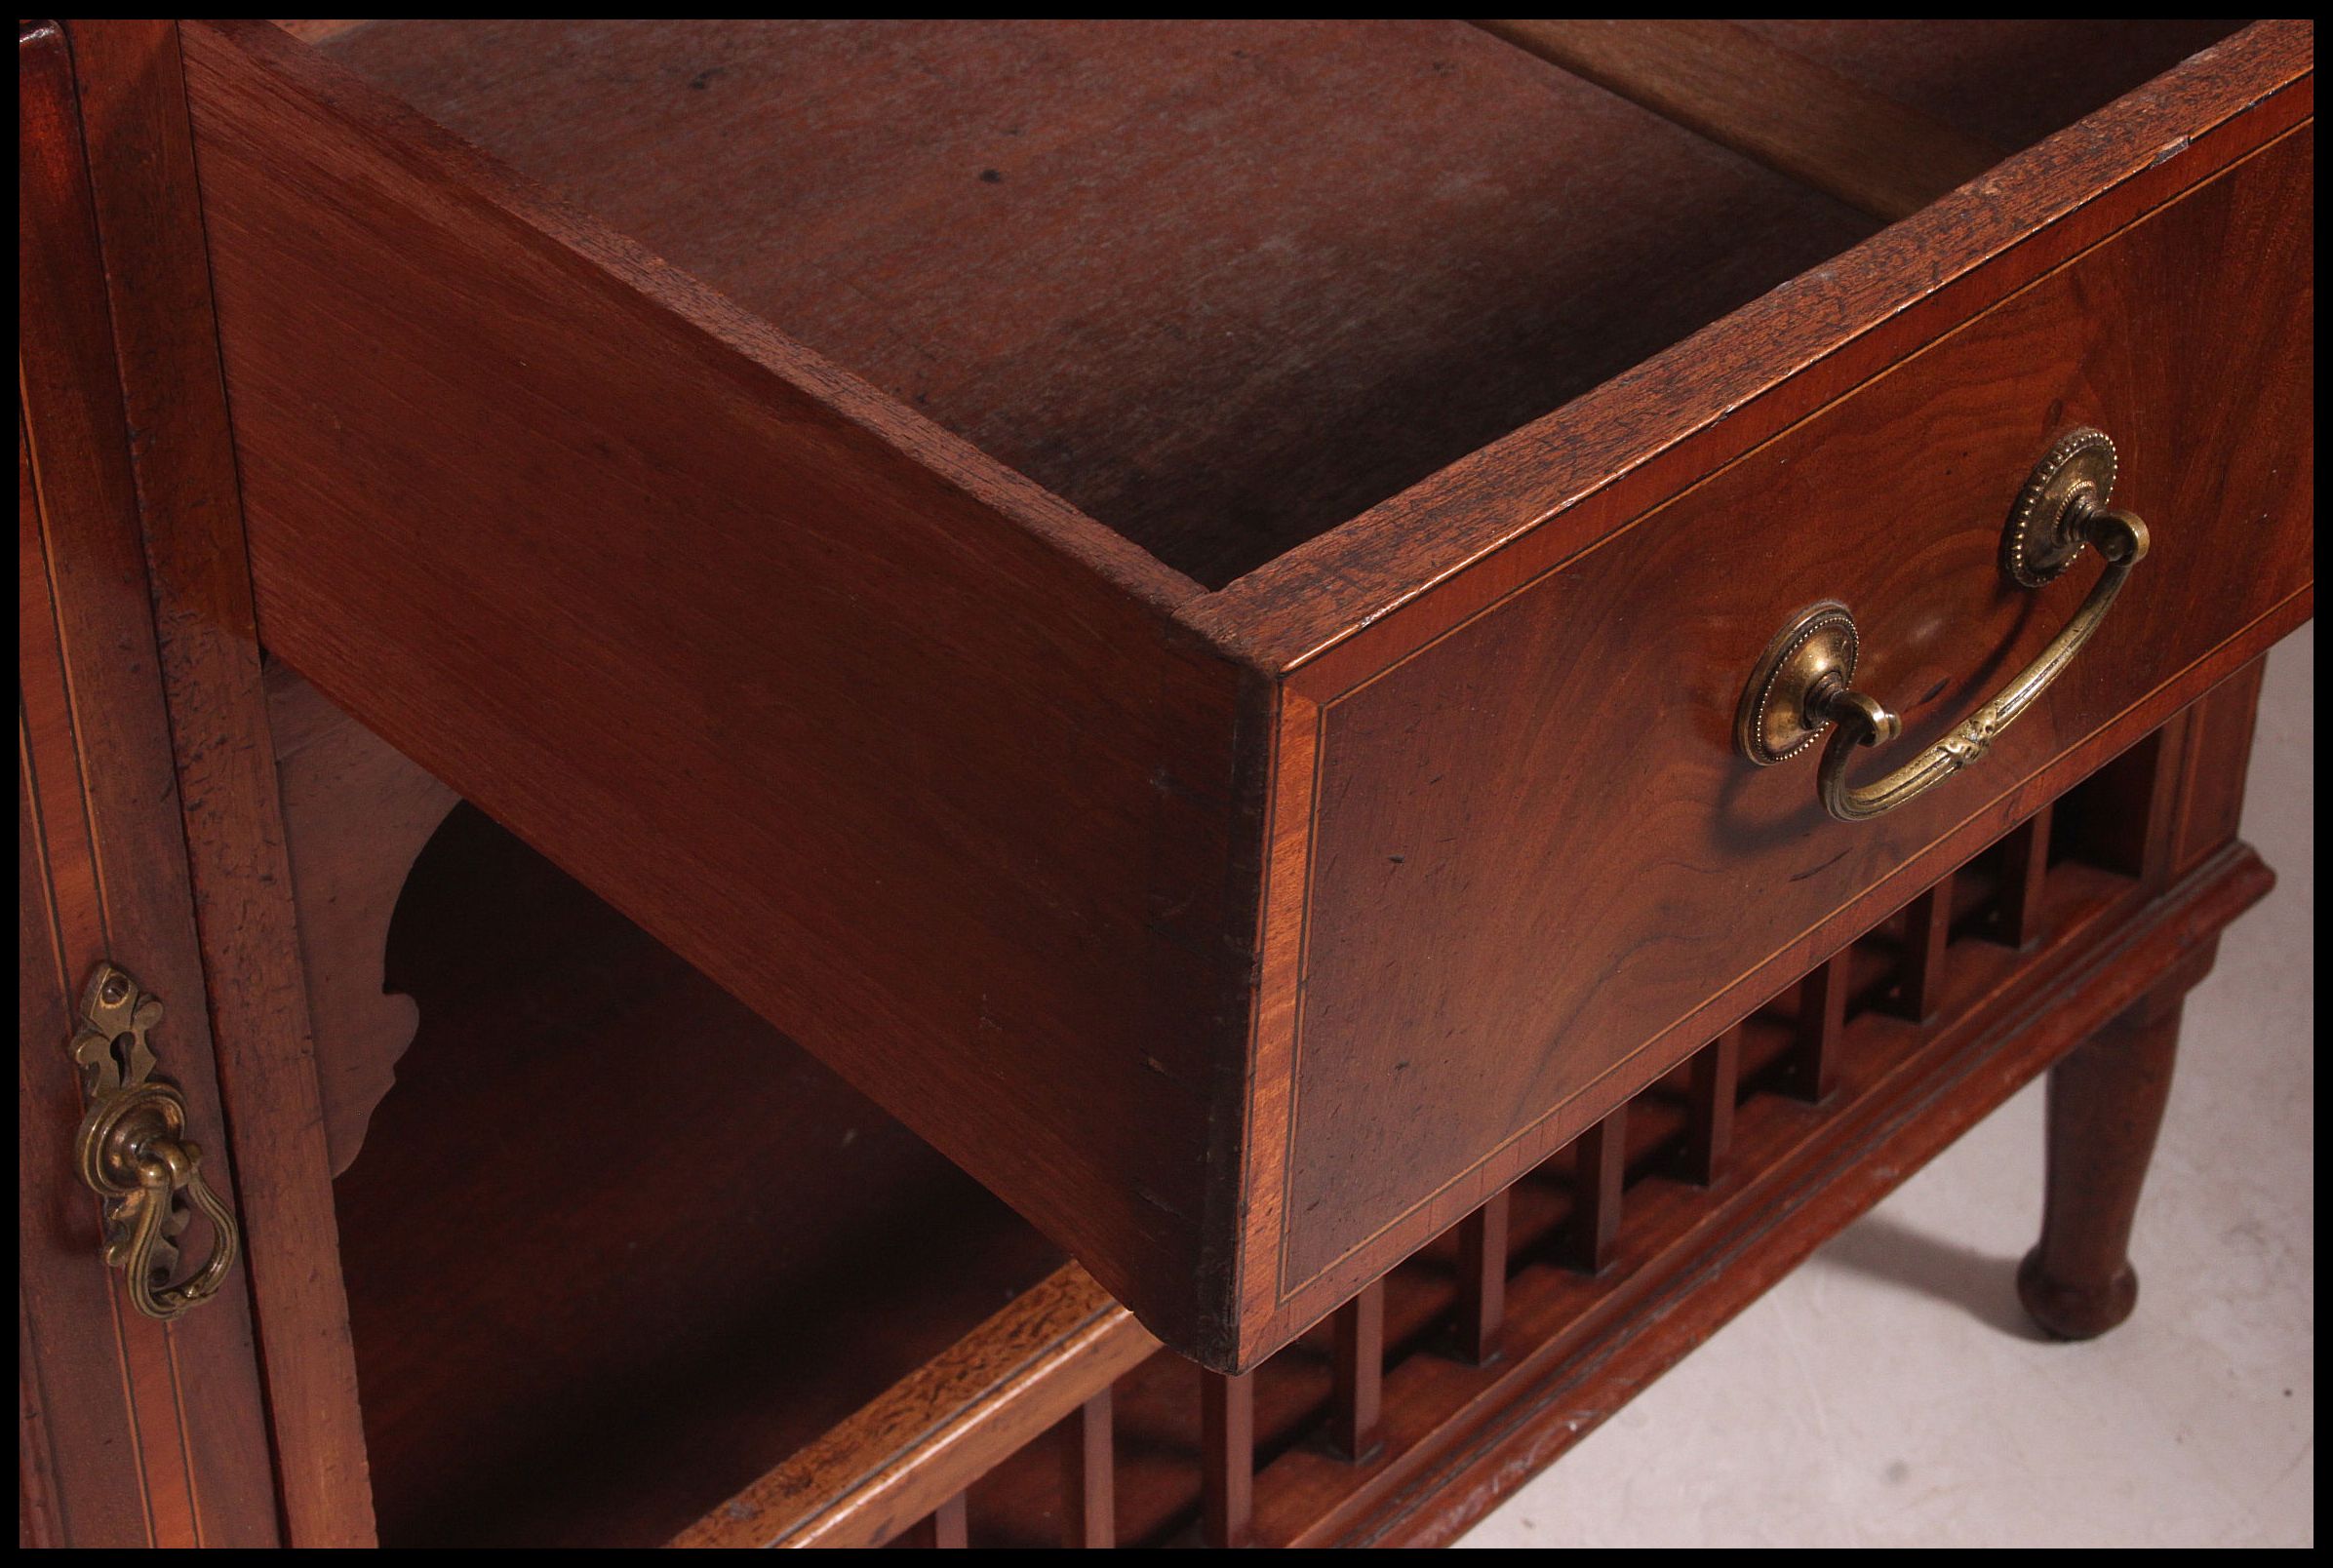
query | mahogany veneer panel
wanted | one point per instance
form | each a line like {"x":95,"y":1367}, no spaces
{"x":132,"y":1433}
{"x":1221,"y":284}
{"x":1626,"y":862}
{"x":615,"y":1246}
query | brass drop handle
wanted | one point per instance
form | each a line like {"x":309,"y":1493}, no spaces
{"x":132,"y":1150}
{"x":1803,"y":682}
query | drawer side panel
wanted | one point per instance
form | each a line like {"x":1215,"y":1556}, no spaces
{"x":907,"y":755}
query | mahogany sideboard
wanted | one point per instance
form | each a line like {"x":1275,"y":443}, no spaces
{"x":1079,"y":782}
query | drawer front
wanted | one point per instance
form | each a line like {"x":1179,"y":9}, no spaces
{"x":1533,"y":856}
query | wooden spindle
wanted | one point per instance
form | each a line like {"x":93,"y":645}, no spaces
{"x":1226,"y":1458}
{"x":1709,"y":1109}
{"x":2123,"y":819}
{"x":951,"y":1524}
{"x":1357,"y":1397}
{"x":1928,"y":931}
{"x":1822,"y":1028}
{"x":1599,"y":1170}
{"x":2017,"y":916}
{"x":1088,"y":1476}
{"x":1482,"y":1281}
{"x":946,"y":1526}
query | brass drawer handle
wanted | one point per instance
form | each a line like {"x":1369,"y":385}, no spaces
{"x":1802,"y":683}
{"x":132,"y":1150}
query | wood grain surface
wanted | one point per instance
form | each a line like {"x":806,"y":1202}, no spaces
{"x":143,"y":182}
{"x":2106,"y":1104}
{"x":714,"y":624}
{"x":883,"y":739}
{"x":2211,"y":804}
{"x":1461,"y":1434}
{"x":356,"y":813}
{"x":1534,"y":848}
{"x":1687,"y":1254}
{"x":1221,"y":284}
{"x":102,"y":1459}
{"x":903,"y":713}
{"x":930,"y":1437}
{"x":1693,"y":1265}
{"x":615,"y":1246}
{"x":2010,"y":81}
{"x":1768,"y":103}
{"x":1414,"y":566}
{"x":130,"y":1432}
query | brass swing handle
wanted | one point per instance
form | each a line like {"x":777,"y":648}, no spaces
{"x":2121,"y":538}
{"x":1803,"y":682}
{"x":133,"y":1152}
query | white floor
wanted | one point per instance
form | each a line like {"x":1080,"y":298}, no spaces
{"x":1890,"y":1392}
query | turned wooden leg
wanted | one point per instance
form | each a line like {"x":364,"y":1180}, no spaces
{"x":2105,"y":1101}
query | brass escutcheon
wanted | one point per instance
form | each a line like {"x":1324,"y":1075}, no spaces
{"x":132,"y":1150}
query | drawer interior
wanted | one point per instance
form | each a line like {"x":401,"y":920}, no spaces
{"x":1225,"y":285}
{"x":614,"y":1245}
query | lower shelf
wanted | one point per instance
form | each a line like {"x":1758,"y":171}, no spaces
{"x":613,"y":1247}
{"x":627,"y":1267}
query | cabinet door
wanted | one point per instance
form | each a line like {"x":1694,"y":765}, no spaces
{"x":132,"y":1432}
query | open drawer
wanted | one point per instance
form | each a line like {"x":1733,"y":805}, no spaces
{"x":1170,"y":599}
